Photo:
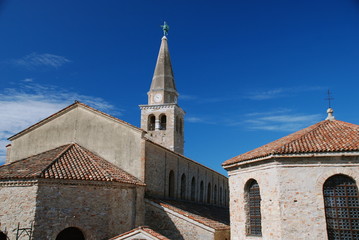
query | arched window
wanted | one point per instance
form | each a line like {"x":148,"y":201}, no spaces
{"x":201,"y":192}
{"x":254,"y":219}
{"x":70,"y":233}
{"x":180,"y":126}
{"x":177,"y":124}
{"x":163,"y":122}
{"x":225,"y":197}
{"x":341,"y":204}
{"x":215,"y":194}
{"x":209,"y":193}
{"x":171,"y":185}
{"x":183,"y":187}
{"x":3,"y":236}
{"x":220,"y":196}
{"x":151,"y":122}
{"x":193,"y":189}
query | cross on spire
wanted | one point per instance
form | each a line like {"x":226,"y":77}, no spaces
{"x":329,"y":98}
{"x":165,"y":28}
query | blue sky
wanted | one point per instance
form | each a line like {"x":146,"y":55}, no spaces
{"x":248,"y":72}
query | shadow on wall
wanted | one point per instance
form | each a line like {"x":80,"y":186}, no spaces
{"x":160,"y":222}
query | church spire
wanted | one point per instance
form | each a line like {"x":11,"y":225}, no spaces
{"x":162,"y":118}
{"x":163,"y":88}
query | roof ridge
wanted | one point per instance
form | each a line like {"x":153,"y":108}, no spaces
{"x":95,"y":162}
{"x":300,"y":136}
{"x":69,"y":108}
{"x":42,"y":173}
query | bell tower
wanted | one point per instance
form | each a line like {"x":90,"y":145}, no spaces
{"x":162,"y":118}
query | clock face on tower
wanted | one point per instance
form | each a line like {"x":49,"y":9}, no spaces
{"x":157,"y":97}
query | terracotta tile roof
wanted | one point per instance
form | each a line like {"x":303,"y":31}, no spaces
{"x":69,"y":108}
{"x":146,"y":229}
{"x":211,"y":216}
{"x":70,"y":162}
{"x":325,"y":136}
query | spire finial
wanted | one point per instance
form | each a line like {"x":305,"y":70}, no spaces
{"x":165,"y":28}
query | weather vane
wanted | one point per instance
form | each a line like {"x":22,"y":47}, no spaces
{"x":329,"y":98}
{"x":165,"y":28}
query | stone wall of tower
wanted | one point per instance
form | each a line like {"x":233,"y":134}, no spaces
{"x":173,"y":136}
{"x":291,"y":191}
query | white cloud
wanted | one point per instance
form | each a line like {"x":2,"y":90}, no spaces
{"x":22,"y":107}
{"x":264,"y":95}
{"x":282,"y":92}
{"x":194,"y":119}
{"x":34,"y":60}
{"x":285,"y":123}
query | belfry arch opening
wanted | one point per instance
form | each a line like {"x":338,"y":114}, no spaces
{"x":71,"y":233}
{"x":163,"y":122}
{"x":151,"y":122}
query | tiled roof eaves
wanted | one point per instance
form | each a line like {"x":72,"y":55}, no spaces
{"x":301,"y":141}
{"x":180,"y":155}
{"x":66,"y":109}
{"x":292,"y":155}
{"x":187,"y":214}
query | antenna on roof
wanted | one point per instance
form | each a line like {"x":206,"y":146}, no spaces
{"x":329,"y":98}
{"x":330,"y":111}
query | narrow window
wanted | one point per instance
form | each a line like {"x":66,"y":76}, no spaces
{"x":220,"y":196}
{"x":225,"y":197}
{"x":163,"y":121}
{"x":171,"y":185}
{"x":215,"y":194}
{"x":341,"y":204}
{"x":254,"y":220}
{"x":201,"y":190}
{"x":177,"y":124}
{"x":181,"y":126}
{"x":183,"y":187}
{"x":209,"y":193}
{"x":151,"y":122}
{"x":193,"y":189}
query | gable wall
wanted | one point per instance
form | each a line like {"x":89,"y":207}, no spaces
{"x":111,"y":140}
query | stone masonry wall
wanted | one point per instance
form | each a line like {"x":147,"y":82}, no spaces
{"x":18,"y":205}
{"x":159,"y":163}
{"x":292,"y":204}
{"x":100,"y":212}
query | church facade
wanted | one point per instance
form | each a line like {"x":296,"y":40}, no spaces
{"x":83,"y":174}
{"x":302,"y":186}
